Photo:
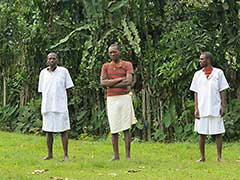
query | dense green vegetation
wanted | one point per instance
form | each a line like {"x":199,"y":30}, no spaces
{"x":21,"y":158}
{"x":163,"y":39}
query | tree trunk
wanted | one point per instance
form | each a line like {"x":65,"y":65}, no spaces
{"x":144,"y":135}
{"x":4,"y":88}
{"x":22,"y":99}
{"x":148,"y":116}
{"x":161,"y":115}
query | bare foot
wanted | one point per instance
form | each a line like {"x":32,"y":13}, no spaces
{"x":114,"y":159}
{"x":220,"y":160}
{"x":200,"y":160}
{"x":66,"y":158}
{"x":47,"y":158}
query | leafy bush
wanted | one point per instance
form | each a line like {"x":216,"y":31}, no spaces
{"x":29,"y":118}
{"x":25,"y":119}
{"x":8,"y":117}
{"x":232,"y":121}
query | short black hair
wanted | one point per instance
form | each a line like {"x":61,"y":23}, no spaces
{"x":115,"y":45}
{"x":208,"y":55}
{"x":54,"y":54}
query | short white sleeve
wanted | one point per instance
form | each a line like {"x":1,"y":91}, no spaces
{"x":223,"y":84}
{"x":68,"y":80}
{"x":194,"y":85}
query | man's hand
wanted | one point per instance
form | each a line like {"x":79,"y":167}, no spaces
{"x":126,"y":82}
{"x":196,"y":114}
{"x":110,"y":82}
{"x":222,"y":112}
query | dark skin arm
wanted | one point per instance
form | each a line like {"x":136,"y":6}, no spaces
{"x":69,"y":92}
{"x":118,"y":82}
{"x":126,"y":82}
{"x":196,"y":112}
{"x":109,"y":82}
{"x":223,"y":102}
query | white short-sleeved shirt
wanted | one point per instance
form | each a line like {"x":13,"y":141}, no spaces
{"x":53,"y":87}
{"x":208,"y":90}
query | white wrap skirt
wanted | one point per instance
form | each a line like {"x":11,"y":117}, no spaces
{"x":55,"y":121}
{"x":209,"y":125}
{"x":120,"y":113}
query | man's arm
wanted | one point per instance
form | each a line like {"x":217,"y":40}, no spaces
{"x":105,"y":81}
{"x":196,"y":112}
{"x":69,"y":92}
{"x":110,"y":82}
{"x":222,"y":96}
{"x":126,"y":82}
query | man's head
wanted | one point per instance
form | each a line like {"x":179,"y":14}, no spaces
{"x":52,"y":59}
{"x":206,"y":59}
{"x":114,"y":52}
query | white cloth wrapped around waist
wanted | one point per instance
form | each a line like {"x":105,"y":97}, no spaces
{"x":120,"y":113}
{"x":56,"y":122}
{"x":210,"y":125}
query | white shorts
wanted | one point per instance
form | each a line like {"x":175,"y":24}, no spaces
{"x":55,"y":122}
{"x":209,"y":125}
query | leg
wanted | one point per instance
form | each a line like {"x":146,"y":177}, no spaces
{"x":202,"y":147}
{"x":49,"y":138}
{"x":127,"y":138}
{"x":219,"y":147}
{"x":64,"y":136}
{"x":115,"y":146}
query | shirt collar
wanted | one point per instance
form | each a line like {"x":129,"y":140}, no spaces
{"x":54,"y":70}
{"x":212,"y":73}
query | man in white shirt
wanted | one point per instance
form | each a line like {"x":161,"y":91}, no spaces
{"x":53,"y":83}
{"x":208,"y":85}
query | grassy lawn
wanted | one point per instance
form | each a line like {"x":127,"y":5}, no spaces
{"x":21,"y":155}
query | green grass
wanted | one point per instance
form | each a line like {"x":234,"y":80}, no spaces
{"x":21,"y":154}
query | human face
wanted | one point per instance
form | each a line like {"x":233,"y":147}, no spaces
{"x":114,"y":53}
{"x":203,"y":60}
{"x":52,"y":60}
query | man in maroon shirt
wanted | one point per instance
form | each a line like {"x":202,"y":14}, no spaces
{"x":116,"y":77}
